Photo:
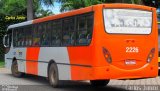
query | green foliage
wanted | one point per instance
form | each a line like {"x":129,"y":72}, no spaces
{"x":3,"y":27}
{"x":42,"y":13}
{"x":13,"y":7}
{"x":76,"y":4}
{"x":1,"y":64}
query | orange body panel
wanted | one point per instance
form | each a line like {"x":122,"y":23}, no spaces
{"x":116,"y":44}
{"x":32,"y":55}
{"x":83,"y":56}
{"x":93,"y":57}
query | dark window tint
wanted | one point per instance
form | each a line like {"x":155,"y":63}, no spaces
{"x":44,"y":35}
{"x":28,"y":32}
{"x":56,"y":33}
{"x":69,"y":32}
{"x":84,"y":27}
{"x":36,"y":34}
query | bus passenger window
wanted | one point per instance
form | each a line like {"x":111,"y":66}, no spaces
{"x":56,"y":33}
{"x":68,"y":31}
{"x":28,"y":36}
{"x":84,"y":27}
{"x":43,"y":35}
{"x":15,"y":37}
{"x":19,"y":37}
{"x":36,"y":34}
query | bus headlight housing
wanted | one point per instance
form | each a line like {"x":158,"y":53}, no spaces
{"x":107,"y":55}
{"x":151,"y":55}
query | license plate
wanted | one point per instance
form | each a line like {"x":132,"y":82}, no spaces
{"x":130,"y":62}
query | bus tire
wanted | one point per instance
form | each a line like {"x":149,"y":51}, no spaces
{"x":14,"y":70}
{"x":99,"y":83}
{"x":53,"y":75}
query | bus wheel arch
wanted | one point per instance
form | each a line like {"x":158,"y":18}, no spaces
{"x":14,"y":69}
{"x":14,"y":59}
{"x":53,"y":75}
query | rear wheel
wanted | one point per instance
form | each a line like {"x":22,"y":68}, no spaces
{"x":53,"y":75}
{"x":99,"y":83}
{"x":14,"y":70}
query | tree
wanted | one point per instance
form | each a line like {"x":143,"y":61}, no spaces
{"x":13,"y":8}
{"x":42,"y":13}
{"x":30,"y":10}
{"x":30,"y":6}
{"x":76,"y":4}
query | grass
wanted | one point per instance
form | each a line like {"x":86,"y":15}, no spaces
{"x":1,"y":64}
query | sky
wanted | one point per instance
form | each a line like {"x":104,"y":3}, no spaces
{"x":55,"y":9}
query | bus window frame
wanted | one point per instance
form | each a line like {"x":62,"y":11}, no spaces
{"x":61,"y":19}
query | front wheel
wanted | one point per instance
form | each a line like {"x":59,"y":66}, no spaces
{"x":99,"y":83}
{"x":53,"y":75}
{"x":14,"y":70}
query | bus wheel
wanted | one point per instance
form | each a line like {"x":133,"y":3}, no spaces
{"x":53,"y":75}
{"x":14,"y":70}
{"x":99,"y":83}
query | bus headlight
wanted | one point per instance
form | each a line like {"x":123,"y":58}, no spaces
{"x":107,"y":55}
{"x":150,"y":55}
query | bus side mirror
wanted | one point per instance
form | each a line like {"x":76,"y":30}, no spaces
{"x":5,"y":41}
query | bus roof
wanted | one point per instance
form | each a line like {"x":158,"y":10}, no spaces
{"x":20,"y":24}
{"x":71,"y":13}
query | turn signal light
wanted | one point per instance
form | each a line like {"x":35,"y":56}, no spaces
{"x":151,"y":55}
{"x":107,"y":55}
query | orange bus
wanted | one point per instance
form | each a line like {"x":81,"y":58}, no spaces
{"x":96,"y":43}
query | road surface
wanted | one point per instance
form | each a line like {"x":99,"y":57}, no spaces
{"x":35,"y":83}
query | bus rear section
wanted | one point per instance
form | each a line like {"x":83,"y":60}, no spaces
{"x":127,"y":45}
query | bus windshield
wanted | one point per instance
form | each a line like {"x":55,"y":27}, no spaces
{"x":127,"y":21}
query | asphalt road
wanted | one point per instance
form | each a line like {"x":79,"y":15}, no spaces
{"x":35,"y":83}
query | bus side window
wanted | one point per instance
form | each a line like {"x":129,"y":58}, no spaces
{"x":43,"y":35}
{"x":68,"y":32}
{"x":36,"y":35}
{"x":28,"y":32}
{"x":48,"y":33}
{"x":56,"y":33}
{"x":23,"y":37}
{"x":14,"y":37}
{"x":19,"y":37}
{"x":89,"y":28}
{"x":84,"y":27}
